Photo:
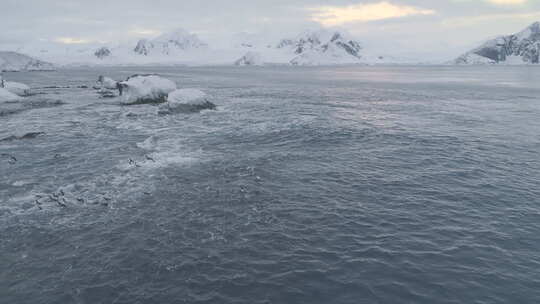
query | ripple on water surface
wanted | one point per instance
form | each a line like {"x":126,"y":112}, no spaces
{"x":383,"y":185}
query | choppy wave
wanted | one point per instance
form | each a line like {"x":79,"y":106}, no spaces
{"x":335,"y":186}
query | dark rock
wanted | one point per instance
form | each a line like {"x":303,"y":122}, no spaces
{"x":143,"y":47}
{"x":103,"y":53}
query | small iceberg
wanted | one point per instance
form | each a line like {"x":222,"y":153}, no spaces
{"x":17,"y":88}
{"x":141,"y":89}
{"x":7,"y":96}
{"x":186,"y":100}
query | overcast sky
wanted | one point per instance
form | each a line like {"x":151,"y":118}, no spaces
{"x":409,"y":25}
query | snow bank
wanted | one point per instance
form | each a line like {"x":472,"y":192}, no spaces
{"x":17,"y":88}
{"x":186,"y":100}
{"x":6,"y":96}
{"x":146,"y":89}
{"x":250,"y":58}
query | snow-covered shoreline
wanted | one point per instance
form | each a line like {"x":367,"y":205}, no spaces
{"x":180,"y":48}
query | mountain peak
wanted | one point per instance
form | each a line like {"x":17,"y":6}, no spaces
{"x":313,"y":47}
{"x":169,"y":43}
{"x":522,"y":47}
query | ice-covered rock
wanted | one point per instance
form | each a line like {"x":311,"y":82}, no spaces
{"x":250,"y":58}
{"x":107,"y":83}
{"x":186,"y":100}
{"x":520,"y":48}
{"x":102,"y":53}
{"x":17,"y":88}
{"x":169,"y":44}
{"x":13,"y":61}
{"x":146,"y":89}
{"x":6,"y":96}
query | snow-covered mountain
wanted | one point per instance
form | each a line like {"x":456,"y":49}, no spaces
{"x":322,"y":47}
{"x":169,"y":44}
{"x":520,"y":48}
{"x":13,"y":61}
{"x":311,"y":47}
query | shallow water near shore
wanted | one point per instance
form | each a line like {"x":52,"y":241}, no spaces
{"x":305,"y":185}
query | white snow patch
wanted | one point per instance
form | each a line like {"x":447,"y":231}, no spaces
{"x":514,"y":60}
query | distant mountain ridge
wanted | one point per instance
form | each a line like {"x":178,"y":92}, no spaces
{"x":169,"y":44}
{"x":13,"y":61}
{"x":310,"y":47}
{"x":520,"y":48}
{"x":322,"y":47}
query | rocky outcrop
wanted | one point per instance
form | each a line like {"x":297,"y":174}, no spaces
{"x":143,"y":47}
{"x":102,"y":53}
{"x":520,"y":48}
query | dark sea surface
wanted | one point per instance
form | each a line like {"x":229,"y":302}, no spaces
{"x":306,"y":185}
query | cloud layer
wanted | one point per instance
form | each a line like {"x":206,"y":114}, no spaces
{"x":338,"y":15}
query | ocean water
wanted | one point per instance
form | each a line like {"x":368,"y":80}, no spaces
{"x":306,"y":185}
